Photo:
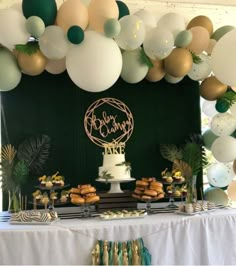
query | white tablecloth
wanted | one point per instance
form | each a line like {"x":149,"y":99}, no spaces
{"x":206,"y":239}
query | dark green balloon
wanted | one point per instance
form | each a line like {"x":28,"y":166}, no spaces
{"x":75,"y":34}
{"x":45,"y":9}
{"x":123,"y":9}
{"x":222,"y":106}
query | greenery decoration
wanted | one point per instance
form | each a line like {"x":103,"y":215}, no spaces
{"x":127,"y":164}
{"x":145,"y":59}
{"x":226,"y":101}
{"x":196,"y":58}
{"x":16,"y":166}
{"x":105,"y":175}
{"x":28,"y":48}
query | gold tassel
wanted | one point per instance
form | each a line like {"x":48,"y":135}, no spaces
{"x":105,"y":254}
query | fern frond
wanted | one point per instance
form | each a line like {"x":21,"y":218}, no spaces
{"x":170,"y":152}
{"x":35,"y":152}
{"x":21,"y":172}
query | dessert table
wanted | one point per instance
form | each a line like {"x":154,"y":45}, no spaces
{"x":172,"y":239}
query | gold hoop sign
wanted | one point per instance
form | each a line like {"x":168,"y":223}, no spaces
{"x":108,"y":120}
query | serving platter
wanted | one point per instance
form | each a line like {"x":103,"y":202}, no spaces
{"x":33,"y":222}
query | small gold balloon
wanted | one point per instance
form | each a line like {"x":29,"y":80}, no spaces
{"x":202,"y":21}
{"x":156,"y":72}
{"x":211,"y":88}
{"x":178,"y":63}
{"x":33,"y":64}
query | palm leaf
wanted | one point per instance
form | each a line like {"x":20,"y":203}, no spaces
{"x":182,"y":166}
{"x":35,"y":152}
{"x":170,"y":152}
{"x":21,"y":172}
{"x":8,"y":153}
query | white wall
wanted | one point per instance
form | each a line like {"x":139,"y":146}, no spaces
{"x":222,"y":13}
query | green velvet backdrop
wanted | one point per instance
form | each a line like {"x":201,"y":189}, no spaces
{"x":53,"y":105}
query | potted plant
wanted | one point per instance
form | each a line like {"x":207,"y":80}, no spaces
{"x":17,"y":165}
{"x":190,"y":159}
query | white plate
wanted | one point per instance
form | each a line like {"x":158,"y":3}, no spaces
{"x":33,"y":222}
{"x":124,"y":217}
{"x":194,"y":213}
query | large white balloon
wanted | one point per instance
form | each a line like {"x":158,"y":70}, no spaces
{"x":132,"y":32}
{"x":12,"y":28}
{"x":224,"y":149}
{"x":53,"y":43}
{"x":223,"y":124}
{"x":95,"y":64}
{"x":201,"y":70}
{"x":220,"y":174}
{"x":158,"y":43}
{"x":224,"y":58}
{"x":173,"y":22}
{"x":147,"y":17}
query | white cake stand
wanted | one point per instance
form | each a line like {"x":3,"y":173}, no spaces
{"x":115,"y":184}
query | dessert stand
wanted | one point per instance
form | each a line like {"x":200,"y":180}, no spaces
{"x":115,"y":184}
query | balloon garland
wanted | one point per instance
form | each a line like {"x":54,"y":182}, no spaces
{"x":103,"y":41}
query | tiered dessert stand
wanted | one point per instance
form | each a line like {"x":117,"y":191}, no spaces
{"x":115,"y":184}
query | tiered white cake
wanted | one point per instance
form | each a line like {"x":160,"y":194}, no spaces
{"x":114,"y":164}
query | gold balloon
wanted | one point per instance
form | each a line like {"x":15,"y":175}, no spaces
{"x":234,"y":166}
{"x":211,"y":88}
{"x":156,"y":72}
{"x":178,"y":63}
{"x":33,"y":64}
{"x":202,"y":21}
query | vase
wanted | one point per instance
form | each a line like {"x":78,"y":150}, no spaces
{"x":14,"y":200}
{"x":191,"y":196}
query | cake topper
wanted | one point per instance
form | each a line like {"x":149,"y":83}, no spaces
{"x":108,"y":120}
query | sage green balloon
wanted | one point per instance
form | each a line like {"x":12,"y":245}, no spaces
{"x":112,"y":28}
{"x":221,"y":32}
{"x":216,"y":195}
{"x":208,"y":138}
{"x":183,"y":38}
{"x":10,"y":73}
{"x":134,"y":69}
{"x":35,"y":26}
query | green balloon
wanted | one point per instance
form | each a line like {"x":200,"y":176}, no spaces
{"x":222,"y":106}
{"x":208,"y":138}
{"x":216,"y":195}
{"x":112,"y":28}
{"x":10,"y":74}
{"x":123,"y":9}
{"x":183,"y":38}
{"x":75,"y":34}
{"x":221,"y":32}
{"x":35,"y":26}
{"x":45,"y":9}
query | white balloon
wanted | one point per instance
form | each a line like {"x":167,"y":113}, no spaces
{"x":171,"y":79}
{"x":56,"y":66}
{"x":12,"y":28}
{"x":173,"y":22}
{"x":132,"y":32}
{"x":95,"y":64}
{"x":223,"y":124}
{"x":53,"y":43}
{"x":220,"y":174}
{"x":201,"y":70}
{"x":233,"y":109}
{"x":224,"y":58}
{"x":147,"y":17}
{"x":224,"y":149}
{"x":208,"y":108}
{"x":158,"y":43}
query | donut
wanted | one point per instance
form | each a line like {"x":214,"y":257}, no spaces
{"x":75,"y":190}
{"x":156,"y":183}
{"x":87,"y":190}
{"x":92,"y":199}
{"x":145,"y":197}
{"x":150,"y":192}
{"x":72,"y":195}
{"x":89,"y":195}
{"x":141,"y":183}
{"x":138,"y":192}
{"x":136,"y":196}
{"x":78,"y":200}
{"x":157,"y":189}
{"x":84,"y":186}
